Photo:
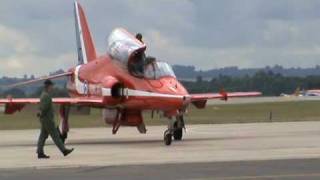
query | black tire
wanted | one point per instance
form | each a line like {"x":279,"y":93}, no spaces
{"x":167,"y":138}
{"x":178,"y":132}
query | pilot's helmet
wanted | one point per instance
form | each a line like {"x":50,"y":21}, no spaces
{"x":139,"y":36}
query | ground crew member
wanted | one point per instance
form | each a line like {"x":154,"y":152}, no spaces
{"x":48,"y":126}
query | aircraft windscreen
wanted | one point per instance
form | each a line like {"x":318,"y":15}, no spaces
{"x":158,"y":69}
{"x":121,"y":44}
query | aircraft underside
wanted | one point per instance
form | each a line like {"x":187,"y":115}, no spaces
{"x":117,"y":117}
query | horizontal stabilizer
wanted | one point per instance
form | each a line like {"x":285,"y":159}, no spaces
{"x":12,"y":105}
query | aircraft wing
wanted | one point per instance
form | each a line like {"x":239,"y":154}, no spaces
{"x":206,"y":96}
{"x":17,"y":104}
{"x":200,"y":100}
{"x":38,"y":80}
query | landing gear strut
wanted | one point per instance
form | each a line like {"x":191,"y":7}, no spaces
{"x":117,"y":123}
{"x":178,"y":128}
{"x":64,"y":115}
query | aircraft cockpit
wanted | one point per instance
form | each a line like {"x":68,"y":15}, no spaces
{"x":124,"y":47}
{"x":157,"y":69}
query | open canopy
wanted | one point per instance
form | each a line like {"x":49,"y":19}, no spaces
{"x":122,"y":45}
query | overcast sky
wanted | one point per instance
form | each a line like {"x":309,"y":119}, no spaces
{"x":38,"y":36}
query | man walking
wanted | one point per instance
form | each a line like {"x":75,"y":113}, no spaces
{"x":48,"y":126}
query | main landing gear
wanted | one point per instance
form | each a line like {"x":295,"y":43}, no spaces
{"x":64,"y":115}
{"x":175,"y":130}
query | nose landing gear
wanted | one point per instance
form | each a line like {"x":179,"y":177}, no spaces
{"x":175,"y":129}
{"x":178,"y":128}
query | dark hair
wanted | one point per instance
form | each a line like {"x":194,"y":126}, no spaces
{"x":139,"y":36}
{"x":48,"y":83}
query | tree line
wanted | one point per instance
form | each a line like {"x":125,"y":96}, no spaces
{"x":20,"y":93}
{"x":267,"y":82}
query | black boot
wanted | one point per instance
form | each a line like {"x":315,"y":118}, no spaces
{"x":43,"y":156}
{"x":67,"y":151}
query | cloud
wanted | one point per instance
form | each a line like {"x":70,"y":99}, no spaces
{"x":23,"y":57}
{"x":20,"y":64}
{"x":13,"y":41}
{"x":175,"y":52}
{"x":206,"y":33}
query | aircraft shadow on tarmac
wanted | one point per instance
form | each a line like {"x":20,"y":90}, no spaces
{"x":109,"y":141}
{"x":124,"y":142}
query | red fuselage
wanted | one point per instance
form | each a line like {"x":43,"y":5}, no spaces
{"x":127,"y":91}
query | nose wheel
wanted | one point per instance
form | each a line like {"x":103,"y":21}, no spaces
{"x":167,"y":137}
{"x":174,"y":130}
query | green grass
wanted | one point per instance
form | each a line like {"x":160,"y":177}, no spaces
{"x":213,"y":114}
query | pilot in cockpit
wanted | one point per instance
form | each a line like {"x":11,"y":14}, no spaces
{"x":136,"y":64}
{"x":137,"y":61}
{"x":139,"y":37}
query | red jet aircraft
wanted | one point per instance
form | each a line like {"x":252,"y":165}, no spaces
{"x":123,"y":82}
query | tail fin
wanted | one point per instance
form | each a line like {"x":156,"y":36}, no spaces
{"x":85,"y":47}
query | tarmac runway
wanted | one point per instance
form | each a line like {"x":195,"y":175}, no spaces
{"x":242,"y":170}
{"x":232,"y":151}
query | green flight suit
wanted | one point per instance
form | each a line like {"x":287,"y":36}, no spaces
{"x":48,"y":126}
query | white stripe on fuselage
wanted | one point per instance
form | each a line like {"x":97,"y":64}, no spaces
{"x":133,"y":92}
{"x":139,"y":93}
{"x":80,"y":86}
{"x":106,"y":91}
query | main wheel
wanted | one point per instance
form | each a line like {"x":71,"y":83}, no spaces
{"x":178,"y":132}
{"x":167,"y":137}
